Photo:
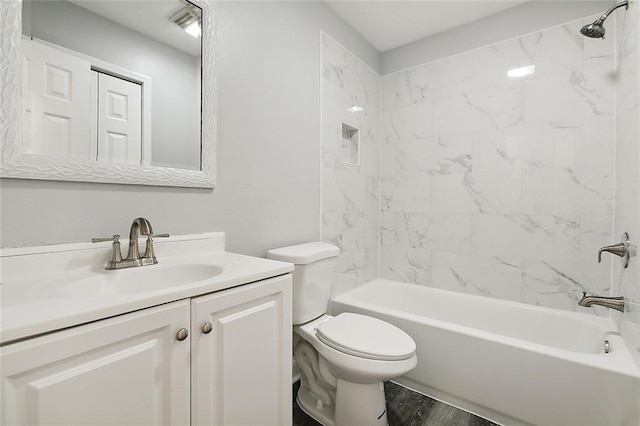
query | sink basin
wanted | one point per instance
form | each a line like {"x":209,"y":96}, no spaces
{"x":130,"y":280}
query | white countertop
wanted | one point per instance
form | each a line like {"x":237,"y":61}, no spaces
{"x":33,"y":300}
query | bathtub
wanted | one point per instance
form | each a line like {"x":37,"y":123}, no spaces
{"x":512,"y":363}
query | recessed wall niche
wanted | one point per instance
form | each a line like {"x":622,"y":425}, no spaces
{"x":350,"y":145}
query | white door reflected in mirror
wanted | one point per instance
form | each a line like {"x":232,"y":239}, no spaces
{"x":183,"y":102}
{"x":56,"y":103}
{"x":74,"y":111}
{"x":155,"y":47}
{"x":119,"y":120}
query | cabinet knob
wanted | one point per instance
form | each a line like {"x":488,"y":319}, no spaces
{"x":207,"y":327}
{"x":182,"y":334}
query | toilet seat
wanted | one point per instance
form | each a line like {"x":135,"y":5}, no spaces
{"x":353,"y":368}
{"x":366,"y":337}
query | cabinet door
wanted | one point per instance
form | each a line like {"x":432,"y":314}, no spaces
{"x":241,"y":370}
{"x":125,"y":370}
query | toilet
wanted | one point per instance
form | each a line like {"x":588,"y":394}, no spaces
{"x":343,"y":360}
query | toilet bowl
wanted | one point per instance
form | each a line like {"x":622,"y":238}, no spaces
{"x":352,"y":373}
{"x":382,"y":351}
{"x":343,"y":360}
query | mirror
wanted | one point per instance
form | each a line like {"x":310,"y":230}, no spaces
{"x":148,"y":83}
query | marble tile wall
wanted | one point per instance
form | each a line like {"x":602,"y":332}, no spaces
{"x":502,"y":186}
{"x":626,"y":282}
{"x":350,"y":193}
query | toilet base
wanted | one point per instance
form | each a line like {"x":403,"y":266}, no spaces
{"x":309,"y":404}
{"x":356,"y":405}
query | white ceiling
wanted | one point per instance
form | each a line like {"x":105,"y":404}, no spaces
{"x":388,"y":24}
{"x":148,"y":17}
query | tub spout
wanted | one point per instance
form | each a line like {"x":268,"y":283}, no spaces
{"x":616,"y":303}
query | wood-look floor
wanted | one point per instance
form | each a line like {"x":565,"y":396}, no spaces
{"x":408,"y":408}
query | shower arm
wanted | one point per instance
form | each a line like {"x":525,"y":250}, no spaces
{"x":605,"y":15}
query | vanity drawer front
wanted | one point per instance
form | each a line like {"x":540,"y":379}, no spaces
{"x":129,"y":369}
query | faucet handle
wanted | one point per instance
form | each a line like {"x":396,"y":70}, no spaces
{"x":618,"y":249}
{"x":148,"y":251}
{"x":114,"y":238}
{"x":623,"y":249}
{"x":116,"y":254}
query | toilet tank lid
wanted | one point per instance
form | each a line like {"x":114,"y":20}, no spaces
{"x":302,"y":254}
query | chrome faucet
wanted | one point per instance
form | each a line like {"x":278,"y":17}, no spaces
{"x":140,"y":226}
{"x":616,"y":303}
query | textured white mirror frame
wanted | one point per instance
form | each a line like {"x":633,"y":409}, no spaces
{"x":14,"y":164}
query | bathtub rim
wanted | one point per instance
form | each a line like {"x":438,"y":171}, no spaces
{"x":619,"y":360}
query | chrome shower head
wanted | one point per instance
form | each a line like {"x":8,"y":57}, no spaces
{"x":596,"y":30}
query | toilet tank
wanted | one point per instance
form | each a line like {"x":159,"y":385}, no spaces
{"x":314,"y":265}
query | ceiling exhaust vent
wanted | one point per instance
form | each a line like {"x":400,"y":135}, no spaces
{"x":188,"y":18}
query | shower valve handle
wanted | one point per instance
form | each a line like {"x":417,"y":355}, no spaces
{"x":623,"y":249}
{"x":619,"y":250}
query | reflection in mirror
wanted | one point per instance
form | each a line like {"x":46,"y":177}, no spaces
{"x":113,"y":82}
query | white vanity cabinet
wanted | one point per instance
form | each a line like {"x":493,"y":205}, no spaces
{"x":133,"y":369}
{"x":241,"y":369}
{"x":129,"y":369}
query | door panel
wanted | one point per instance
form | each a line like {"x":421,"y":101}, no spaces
{"x":119,"y":120}
{"x":56,"y":102}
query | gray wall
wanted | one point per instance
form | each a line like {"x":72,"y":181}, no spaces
{"x":268,"y":146}
{"x":175,"y":106}
{"x":531,"y":16}
{"x":268,"y":141}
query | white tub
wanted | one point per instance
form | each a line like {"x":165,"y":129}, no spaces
{"x":512,"y":363}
